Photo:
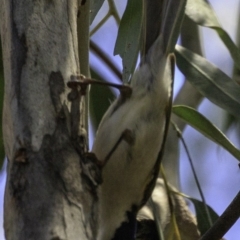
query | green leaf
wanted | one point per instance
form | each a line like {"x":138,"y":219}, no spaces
{"x":203,"y":125}
{"x":209,"y":80}
{"x":163,"y":17}
{"x":2,"y":153}
{"x":100,"y":99}
{"x":201,"y":12}
{"x":172,"y":22}
{"x":203,"y":223}
{"x":95,"y":5}
{"x":129,"y":35}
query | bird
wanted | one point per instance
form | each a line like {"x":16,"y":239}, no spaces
{"x":130,"y":138}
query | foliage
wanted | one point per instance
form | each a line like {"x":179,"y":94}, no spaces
{"x":129,"y":37}
{"x":209,"y":80}
{"x":202,"y":216}
{"x":204,"y":126}
{"x":99,"y":104}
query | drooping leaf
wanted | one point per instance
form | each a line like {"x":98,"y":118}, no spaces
{"x":172,"y":22}
{"x":165,"y":17}
{"x":209,"y":80}
{"x":201,"y":12}
{"x":204,"y":126}
{"x":2,"y":153}
{"x":95,"y":5}
{"x":129,"y":35}
{"x":202,"y":216}
{"x":100,"y":99}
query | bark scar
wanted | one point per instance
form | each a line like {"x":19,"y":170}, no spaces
{"x":56,"y":83}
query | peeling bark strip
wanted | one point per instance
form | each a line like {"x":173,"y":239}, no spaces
{"x":46,"y":197}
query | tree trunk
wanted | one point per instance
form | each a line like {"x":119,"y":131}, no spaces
{"x":47,"y":195}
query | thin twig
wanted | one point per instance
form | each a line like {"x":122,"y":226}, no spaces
{"x":99,"y":25}
{"x":194,"y":173}
{"x":225,"y":221}
{"x":103,"y":56}
{"x":113,"y":11}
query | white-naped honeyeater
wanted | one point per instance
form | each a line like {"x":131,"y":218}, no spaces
{"x":130,"y":138}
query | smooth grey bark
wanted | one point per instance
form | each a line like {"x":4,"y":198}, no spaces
{"x":47,"y":195}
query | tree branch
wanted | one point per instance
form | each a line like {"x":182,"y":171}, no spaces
{"x":225,"y":221}
{"x":103,"y":56}
{"x":46,"y":195}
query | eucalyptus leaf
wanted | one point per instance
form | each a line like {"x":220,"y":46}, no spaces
{"x":203,"y":125}
{"x":100,"y":99}
{"x":129,"y":35}
{"x":209,"y":80}
{"x":172,"y":22}
{"x":95,"y":5}
{"x":203,"y":224}
{"x":201,"y":12}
